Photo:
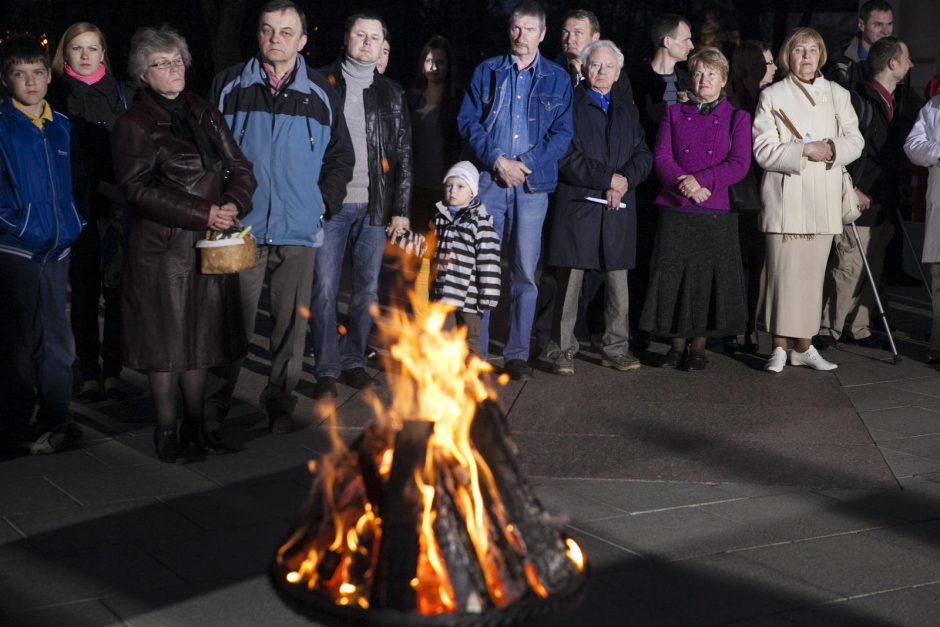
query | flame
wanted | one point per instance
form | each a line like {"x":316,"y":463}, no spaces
{"x":574,"y":554}
{"x":432,"y":377}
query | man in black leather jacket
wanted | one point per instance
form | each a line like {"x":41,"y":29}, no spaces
{"x":377,"y":204}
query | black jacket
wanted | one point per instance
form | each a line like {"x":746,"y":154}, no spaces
{"x":648,"y":87}
{"x":584,"y":234}
{"x":174,"y":317}
{"x":882,"y":167}
{"x":388,"y":137}
{"x":92,"y":110}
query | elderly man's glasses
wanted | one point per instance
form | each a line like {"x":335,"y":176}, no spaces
{"x":165,"y":64}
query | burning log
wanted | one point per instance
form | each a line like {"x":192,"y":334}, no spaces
{"x":428,"y":520}
{"x":400,"y":511}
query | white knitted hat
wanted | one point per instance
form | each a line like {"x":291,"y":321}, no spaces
{"x":465,"y":171}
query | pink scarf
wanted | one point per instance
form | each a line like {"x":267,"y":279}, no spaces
{"x":91,"y":79}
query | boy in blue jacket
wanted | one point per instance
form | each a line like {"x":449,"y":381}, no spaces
{"x":38,"y":223}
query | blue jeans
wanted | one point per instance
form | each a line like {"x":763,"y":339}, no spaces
{"x":518,"y":217}
{"x":37,"y":348}
{"x":334,"y":353}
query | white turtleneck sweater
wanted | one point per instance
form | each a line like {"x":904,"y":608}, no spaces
{"x":358,"y":77}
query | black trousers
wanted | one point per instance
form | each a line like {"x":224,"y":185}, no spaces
{"x":86,"y":281}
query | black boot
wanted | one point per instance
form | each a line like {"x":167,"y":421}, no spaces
{"x":167,"y":447}
{"x":194,"y":436}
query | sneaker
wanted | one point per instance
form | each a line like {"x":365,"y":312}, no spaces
{"x":563,"y":363}
{"x":357,"y":378}
{"x":517,"y":369}
{"x":777,"y":360}
{"x":47,"y":443}
{"x":696,"y":361}
{"x":810,"y":358}
{"x":623,"y":363}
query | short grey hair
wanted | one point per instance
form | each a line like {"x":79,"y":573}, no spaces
{"x":147,"y":41}
{"x":600,"y":43}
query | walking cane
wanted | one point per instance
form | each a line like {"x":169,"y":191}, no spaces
{"x":874,"y":288}
{"x":910,"y":244}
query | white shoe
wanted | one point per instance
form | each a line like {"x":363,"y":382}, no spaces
{"x":811,"y":358}
{"x":778,"y":359}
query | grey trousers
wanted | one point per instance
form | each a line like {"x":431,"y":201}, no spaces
{"x":474,"y":324}
{"x":290,"y":273}
{"x":847,"y":296}
{"x":615,"y":340}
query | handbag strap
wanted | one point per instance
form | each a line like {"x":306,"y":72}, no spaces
{"x":780,"y":113}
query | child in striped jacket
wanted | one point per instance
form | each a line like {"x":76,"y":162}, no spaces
{"x":465,"y":260}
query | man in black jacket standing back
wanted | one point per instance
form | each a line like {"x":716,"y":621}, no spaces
{"x":884,"y":120}
{"x":377,"y":204}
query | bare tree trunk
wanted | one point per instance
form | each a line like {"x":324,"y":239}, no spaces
{"x":224,"y":22}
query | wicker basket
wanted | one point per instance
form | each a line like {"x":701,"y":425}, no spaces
{"x":227,"y":256}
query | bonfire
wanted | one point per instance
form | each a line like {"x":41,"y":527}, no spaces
{"x":426,"y":517}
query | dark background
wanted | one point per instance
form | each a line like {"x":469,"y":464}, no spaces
{"x":221,"y":32}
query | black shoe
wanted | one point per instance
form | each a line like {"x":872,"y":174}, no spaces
{"x":90,"y":392}
{"x":517,"y":369}
{"x":729,"y":345}
{"x":902,"y":279}
{"x":195,"y":437}
{"x":696,"y":361}
{"x":823,"y":341}
{"x":325,"y":386}
{"x":357,"y":378}
{"x":673,"y":359}
{"x":750,"y":344}
{"x":870,"y":342}
{"x":167,"y":447}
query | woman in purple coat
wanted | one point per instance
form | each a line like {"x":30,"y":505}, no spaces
{"x":696,"y":284}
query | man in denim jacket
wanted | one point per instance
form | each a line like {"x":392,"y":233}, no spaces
{"x":516,"y":119}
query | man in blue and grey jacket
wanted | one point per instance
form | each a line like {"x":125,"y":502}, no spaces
{"x":516,"y":119}
{"x":289,"y":122}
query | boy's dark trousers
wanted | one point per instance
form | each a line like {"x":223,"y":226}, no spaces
{"x":36,"y":346}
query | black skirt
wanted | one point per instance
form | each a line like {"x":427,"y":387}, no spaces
{"x":696,"y":280}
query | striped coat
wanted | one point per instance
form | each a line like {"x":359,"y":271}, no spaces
{"x":465,"y":262}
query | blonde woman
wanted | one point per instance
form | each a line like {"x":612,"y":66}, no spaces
{"x":805,"y":131}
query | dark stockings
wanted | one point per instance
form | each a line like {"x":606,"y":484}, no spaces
{"x":163,"y":388}
{"x":698,"y":344}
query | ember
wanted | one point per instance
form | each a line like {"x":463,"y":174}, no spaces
{"x":427,"y":514}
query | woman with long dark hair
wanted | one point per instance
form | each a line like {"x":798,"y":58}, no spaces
{"x":433,"y":103}
{"x":86,"y":91}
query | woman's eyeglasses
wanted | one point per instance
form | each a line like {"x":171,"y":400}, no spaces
{"x":165,"y":64}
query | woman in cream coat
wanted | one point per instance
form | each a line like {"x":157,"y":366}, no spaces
{"x":923,"y":148}
{"x":798,"y":143}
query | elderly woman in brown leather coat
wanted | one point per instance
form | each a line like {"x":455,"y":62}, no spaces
{"x":183,"y":173}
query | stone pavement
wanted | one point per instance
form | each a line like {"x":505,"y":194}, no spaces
{"x":728,"y":496}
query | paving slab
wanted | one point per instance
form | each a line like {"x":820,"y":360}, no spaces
{"x":901,"y":422}
{"x":32,"y":494}
{"x":229,"y":602}
{"x":628,"y":496}
{"x":678,"y":534}
{"x":82,"y":614}
{"x":121,"y":485}
{"x":720,"y":589}
{"x":72,"y":576}
{"x":136,"y":521}
{"x":848,"y":565}
{"x":909,"y":607}
{"x":799,"y":516}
